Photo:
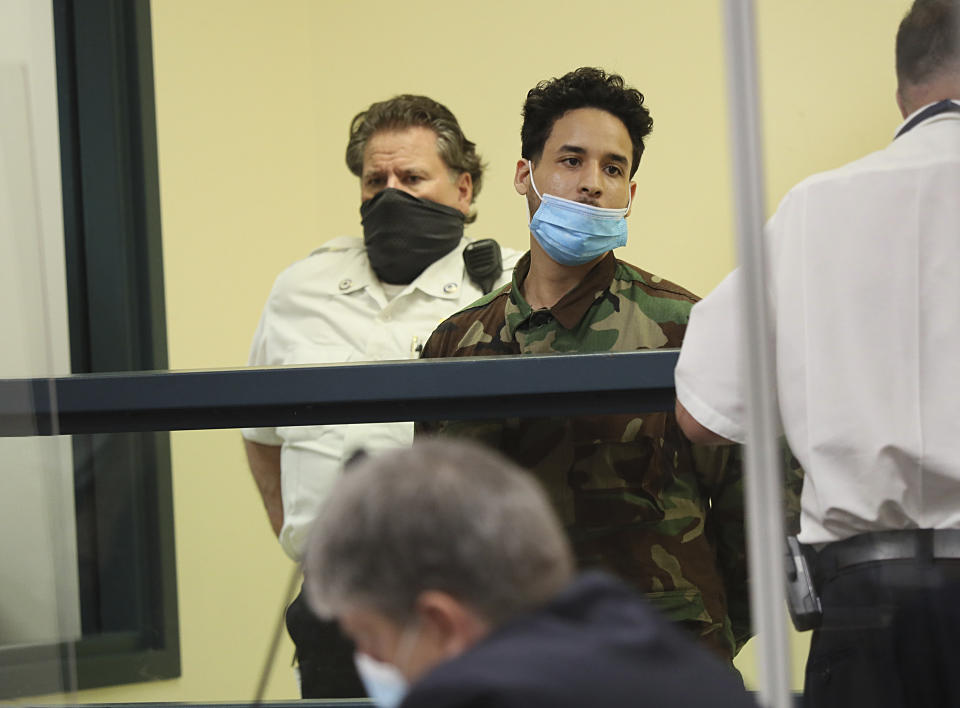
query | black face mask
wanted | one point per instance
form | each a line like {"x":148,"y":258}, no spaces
{"x":404,"y":234}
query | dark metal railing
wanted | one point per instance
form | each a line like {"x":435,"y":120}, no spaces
{"x":474,"y":387}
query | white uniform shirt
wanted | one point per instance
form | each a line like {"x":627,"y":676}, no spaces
{"x":864,"y":279}
{"x":331,"y":308}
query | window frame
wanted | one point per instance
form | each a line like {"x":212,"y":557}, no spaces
{"x":116,"y":315}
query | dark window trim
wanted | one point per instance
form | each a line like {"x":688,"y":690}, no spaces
{"x":456,"y":388}
{"x":116,"y":317}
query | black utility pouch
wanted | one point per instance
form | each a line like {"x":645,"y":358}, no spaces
{"x":802,"y":598}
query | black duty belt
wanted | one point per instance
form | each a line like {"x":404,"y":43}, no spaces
{"x":922,"y":545}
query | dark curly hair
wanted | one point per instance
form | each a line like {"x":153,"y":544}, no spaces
{"x":927,"y":41}
{"x":409,"y":111}
{"x":587,"y":87}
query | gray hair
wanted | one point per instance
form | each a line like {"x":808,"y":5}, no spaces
{"x":408,"y":111}
{"x":443,"y":515}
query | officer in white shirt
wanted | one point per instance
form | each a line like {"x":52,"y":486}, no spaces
{"x":378,"y":298}
{"x":864,"y":283}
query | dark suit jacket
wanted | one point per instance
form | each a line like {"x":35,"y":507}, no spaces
{"x":596,"y":644}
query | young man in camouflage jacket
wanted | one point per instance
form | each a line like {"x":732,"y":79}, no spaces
{"x":635,"y":496}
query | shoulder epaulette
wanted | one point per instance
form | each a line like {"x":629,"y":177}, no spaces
{"x":340,"y":244}
{"x":486,"y":299}
{"x":655,"y":282}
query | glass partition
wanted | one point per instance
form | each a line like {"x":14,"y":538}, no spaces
{"x":39,"y":609}
{"x":216,"y":584}
{"x":252,"y":108}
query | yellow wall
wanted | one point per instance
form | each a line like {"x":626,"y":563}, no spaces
{"x":253,"y":103}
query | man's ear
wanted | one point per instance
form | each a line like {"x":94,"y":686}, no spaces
{"x":521,"y":181}
{"x":455,"y":626}
{"x":464,"y":186}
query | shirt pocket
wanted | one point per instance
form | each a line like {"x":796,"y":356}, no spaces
{"x":619,"y":472}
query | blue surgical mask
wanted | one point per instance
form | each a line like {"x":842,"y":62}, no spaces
{"x":573,"y":233}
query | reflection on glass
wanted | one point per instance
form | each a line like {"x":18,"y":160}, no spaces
{"x":39,"y":610}
{"x":404,"y":345}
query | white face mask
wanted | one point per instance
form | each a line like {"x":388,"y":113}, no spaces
{"x":384,"y":682}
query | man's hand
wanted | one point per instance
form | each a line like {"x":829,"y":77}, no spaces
{"x":695,"y":431}
{"x":264,"y":461}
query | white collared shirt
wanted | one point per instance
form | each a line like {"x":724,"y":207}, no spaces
{"x":332,"y":308}
{"x":864,"y":279}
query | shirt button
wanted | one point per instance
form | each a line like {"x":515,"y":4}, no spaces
{"x":450,"y":288}
{"x":345,"y":283}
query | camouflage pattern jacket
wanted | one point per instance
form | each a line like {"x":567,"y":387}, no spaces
{"x":636,"y":497}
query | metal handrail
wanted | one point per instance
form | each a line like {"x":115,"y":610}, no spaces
{"x":458,"y":388}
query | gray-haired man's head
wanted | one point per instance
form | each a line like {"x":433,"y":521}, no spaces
{"x":447,"y":538}
{"x":442,"y":515}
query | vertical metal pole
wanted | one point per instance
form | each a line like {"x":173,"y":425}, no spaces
{"x":764,"y":479}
